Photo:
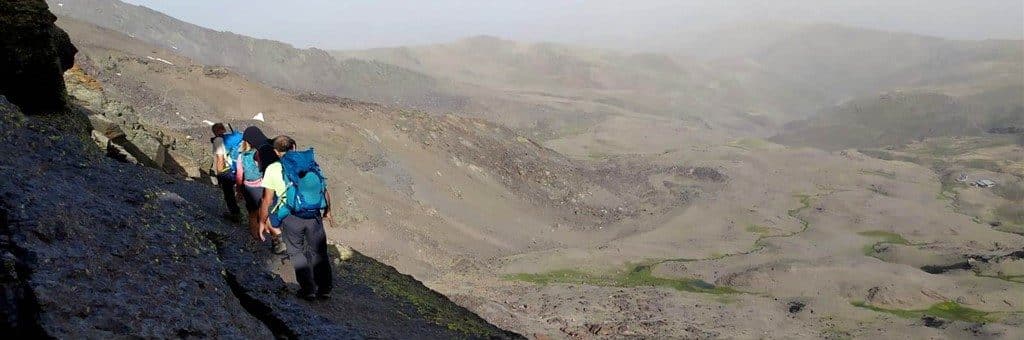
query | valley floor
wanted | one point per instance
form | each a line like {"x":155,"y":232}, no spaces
{"x":798,"y":243}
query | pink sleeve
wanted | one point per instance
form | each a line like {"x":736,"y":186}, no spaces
{"x":239,"y":170}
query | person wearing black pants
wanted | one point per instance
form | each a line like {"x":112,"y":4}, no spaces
{"x":221,"y":166}
{"x":312,"y":269}
{"x":227,"y":185}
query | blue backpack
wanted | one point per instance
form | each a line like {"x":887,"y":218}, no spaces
{"x":306,"y":192}
{"x":250,"y":166}
{"x":232,"y":143}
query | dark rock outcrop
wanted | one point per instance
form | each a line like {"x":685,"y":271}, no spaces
{"x":113,"y":249}
{"x":94,"y":248}
{"x":103,"y":249}
{"x":34,"y":55}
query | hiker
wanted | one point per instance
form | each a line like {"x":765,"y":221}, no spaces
{"x":302,"y":202}
{"x":255,"y":155}
{"x":225,"y":146}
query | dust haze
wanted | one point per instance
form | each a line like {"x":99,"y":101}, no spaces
{"x":642,"y":169}
{"x":647,"y":24}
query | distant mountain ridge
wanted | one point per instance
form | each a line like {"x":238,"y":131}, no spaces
{"x":844,"y":61}
{"x":750,"y":80}
{"x":899,"y":118}
{"x":275,"y":63}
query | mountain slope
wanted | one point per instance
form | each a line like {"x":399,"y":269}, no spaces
{"x":275,"y":63}
{"x":843,"y":62}
{"x":618,"y":83}
{"x":94,"y":247}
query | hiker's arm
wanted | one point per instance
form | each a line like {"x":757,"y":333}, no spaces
{"x":218,"y":163}
{"x":268,"y":195}
{"x":327,"y":209}
{"x":240,"y":171}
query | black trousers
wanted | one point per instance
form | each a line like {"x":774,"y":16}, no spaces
{"x":312,"y":267}
{"x":227,"y":185}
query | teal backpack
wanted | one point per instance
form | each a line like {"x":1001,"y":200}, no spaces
{"x":250,"y":166}
{"x":306,"y":192}
{"x":233,"y":145}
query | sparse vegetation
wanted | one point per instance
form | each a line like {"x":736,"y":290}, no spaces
{"x":634,"y":276}
{"x":428,"y":303}
{"x":886,"y":238}
{"x":640,"y":274}
{"x":948,"y":188}
{"x":983,"y":164}
{"x":753,"y":228}
{"x":749,"y":143}
{"x":1012,"y":213}
{"x":1013,"y":191}
{"x":805,"y":203}
{"x":880,"y":173}
{"x":947,"y":310}
{"x":598,"y":155}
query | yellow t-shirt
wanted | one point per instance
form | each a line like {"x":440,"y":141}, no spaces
{"x":273,"y":179}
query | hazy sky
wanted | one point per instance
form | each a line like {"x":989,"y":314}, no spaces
{"x":347,"y":24}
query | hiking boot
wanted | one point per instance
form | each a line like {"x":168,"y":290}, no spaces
{"x":323,"y":295}
{"x":278,"y":246}
{"x":308,"y":296}
{"x":233,"y":218}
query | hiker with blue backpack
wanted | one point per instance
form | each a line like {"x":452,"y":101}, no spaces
{"x":295,"y":200}
{"x":225,"y":149}
{"x":255,"y":155}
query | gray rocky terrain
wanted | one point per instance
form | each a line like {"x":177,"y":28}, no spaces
{"x":563,"y":192}
{"x":105,"y":240}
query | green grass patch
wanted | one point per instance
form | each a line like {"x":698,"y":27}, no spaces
{"x":948,"y":147}
{"x":639,"y":275}
{"x":984,"y":164}
{"x":1011,"y":212}
{"x":389,"y":284}
{"x":753,"y":228}
{"x":805,"y":203}
{"x":885,"y":236}
{"x":634,"y":276}
{"x":749,"y":144}
{"x":947,"y":192}
{"x":1012,"y":191}
{"x":947,"y":310}
{"x":598,"y":155}
{"x":1009,"y":278}
{"x":880,"y":173}
{"x":1011,"y":228}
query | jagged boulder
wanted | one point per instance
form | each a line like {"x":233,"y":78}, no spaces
{"x":149,"y":149}
{"x":118,"y":130}
{"x":34,"y":55}
{"x":106,"y":127}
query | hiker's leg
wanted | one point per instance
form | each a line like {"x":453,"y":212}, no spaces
{"x":227,"y":185}
{"x":320,"y":260}
{"x":253,"y":196}
{"x":294,"y":230}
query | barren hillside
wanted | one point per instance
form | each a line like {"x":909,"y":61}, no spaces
{"x":586,"y":193}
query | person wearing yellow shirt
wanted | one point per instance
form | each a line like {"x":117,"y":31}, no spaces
{"x":313,"y":272}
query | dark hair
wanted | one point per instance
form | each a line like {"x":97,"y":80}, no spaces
{"x":219,"y":127}
{"x":284,"y":143}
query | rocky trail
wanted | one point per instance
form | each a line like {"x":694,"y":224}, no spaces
{"x":102,"y":242}
{"x":110,"y":242}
